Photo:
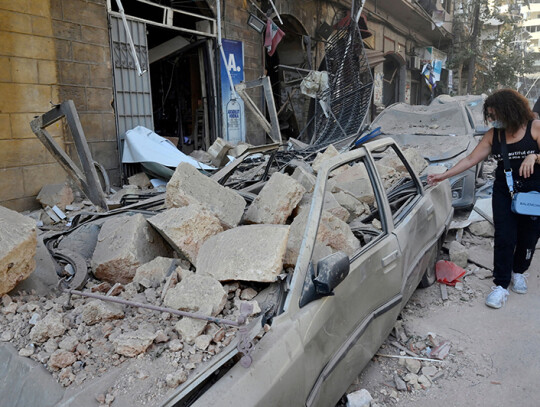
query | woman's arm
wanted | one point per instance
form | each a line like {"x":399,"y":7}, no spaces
{"x":480,"y":153}
{"x":527,"y":166}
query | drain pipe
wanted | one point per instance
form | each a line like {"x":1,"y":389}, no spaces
{"x":220,"y":46}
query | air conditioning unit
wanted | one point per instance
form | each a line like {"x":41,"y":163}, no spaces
{"x":413,"y":62}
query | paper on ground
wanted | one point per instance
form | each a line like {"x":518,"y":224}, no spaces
{"x":143,"y":145}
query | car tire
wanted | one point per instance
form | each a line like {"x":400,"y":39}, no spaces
{"x":429,"y":276}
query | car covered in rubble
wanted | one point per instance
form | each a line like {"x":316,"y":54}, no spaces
{"x":474,"y":105}
{"x":443,"y":133}
{"x":322,"y":321}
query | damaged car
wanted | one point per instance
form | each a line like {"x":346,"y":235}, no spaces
{"x":368,"y":234}
{"x":442,"y":133}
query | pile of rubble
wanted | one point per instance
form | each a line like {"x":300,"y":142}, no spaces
{"x":205,"y":252}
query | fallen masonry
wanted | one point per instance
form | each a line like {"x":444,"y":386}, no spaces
{"x":173,"y":287}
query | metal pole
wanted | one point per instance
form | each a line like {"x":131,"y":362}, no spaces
{"x":220,"y":46}
{"x":130,"y":40}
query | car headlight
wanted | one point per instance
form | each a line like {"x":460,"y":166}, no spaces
{"x":457,"y":188}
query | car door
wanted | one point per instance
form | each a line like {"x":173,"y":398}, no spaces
{"x":342,"y":332}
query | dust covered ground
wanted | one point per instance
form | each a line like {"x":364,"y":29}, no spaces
{"x":493,"y":358}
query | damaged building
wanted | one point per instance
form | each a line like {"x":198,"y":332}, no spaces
{"x":162,"y":69}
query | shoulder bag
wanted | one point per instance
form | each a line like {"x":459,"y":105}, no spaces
{"x":523,"y":203}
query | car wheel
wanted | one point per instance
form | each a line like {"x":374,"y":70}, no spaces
{"x":429,"y":276}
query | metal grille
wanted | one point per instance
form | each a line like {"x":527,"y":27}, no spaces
{"x":350,"y":88}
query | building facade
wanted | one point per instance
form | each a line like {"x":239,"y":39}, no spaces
{"x":56,"y":50}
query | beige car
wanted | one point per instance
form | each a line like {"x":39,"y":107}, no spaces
{"x":330,"y":316}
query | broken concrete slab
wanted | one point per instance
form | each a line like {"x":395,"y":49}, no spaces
{"x":186,"y":228}
{"x":354,"y":181}
{"x":305,"y":178}
{"x":154,"y":272}
{"x":276,"y":201}
{"x":131,"y":344}
{"x":49,"y":327}
{"x":333,"y":235}
{"x":483,"y":228}
{"x":413,"y":156}
{"x":190,"y":328}
{"x":458,"y":254}
{"x":97,"y":311}
{"x":140,"y":180}
{"x":18,"y":242}
{"x":188,"y":186}
{"x":241,"y":254}
{"x":197,"y":293}
{"x":219,"y":151}
{"x":124,"y":244}
{"x":329,"y":153}
{"x":202,"y":156}
{"x":481,"y":257}
{"x":351,"y":204}
{"x":55,"y":194}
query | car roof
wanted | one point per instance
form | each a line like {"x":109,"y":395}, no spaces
{"x":438,"y":119}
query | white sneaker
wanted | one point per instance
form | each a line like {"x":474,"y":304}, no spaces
{"x":497,"y":297}
{"x":519,"y":283}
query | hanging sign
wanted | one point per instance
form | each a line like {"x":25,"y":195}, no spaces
{"x":233,"y":120}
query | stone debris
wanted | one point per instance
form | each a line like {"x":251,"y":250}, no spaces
{"x":276,"y":201}
{"x":153,"y":273}
{"x":140,"y":180}
{"x":355,"y":182}
{"x":97,"y":311}
{"x":124,"y":244}
{"x":219,"y":151}
{"x":482,"y":228}
{"x":186,"y":228}
{"x":459,"y":254}
{"x":131,"y":344}
{"x":250,"y":258}
{"x":329,"y":153}
{"x":59,"y":195}
{"x":18,"y":242}
{"x":197,"y":293}
{"x":360,"y":398}
{"x":305,"y":178}
{"x":188,"y":185}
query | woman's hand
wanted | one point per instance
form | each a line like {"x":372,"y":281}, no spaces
{"x":527,"y":166}
{"x":434,"y":179}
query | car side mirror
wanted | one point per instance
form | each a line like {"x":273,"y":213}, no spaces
{"x":331,"y":271}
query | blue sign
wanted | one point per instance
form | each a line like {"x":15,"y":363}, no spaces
{"x":234,"y":120}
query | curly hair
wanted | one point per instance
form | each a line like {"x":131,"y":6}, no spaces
{"x":510,"y":107}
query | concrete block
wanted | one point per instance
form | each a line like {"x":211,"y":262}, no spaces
{"x":5,"y":69}
{"x":276,"y":201}
{"x":330,"y":152}
{"x":24,"y":70}
{"x":18,"y":242}
{"x":154,"y":271}
{"x":140,"y":180}
{"x":23,"y":97}
{"x":483,"y":228}
{"x":305,"y":178}
{"x":353,"y":205}
{"x":124,"y":244}
{"x":186,"y":228}
{"x":188,"y":185}
{"x":197,"y":293}
{"x":50,"y":326}
{"x":11,"y":184}
{"x":330,"y":204}
{"x":131,"y":344}
{"x":333,"y":234}
{"x":458,"y":254}
{"x":355,"y":181}
{"x":412,"y":155}
{"x":219,"y":151}
{"x":247,"y":253}
{"x":190,"y":328}
{"x":55,"y":195}
{"x":97,"y":311}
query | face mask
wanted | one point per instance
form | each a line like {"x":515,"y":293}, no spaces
{"x":497,"y":124}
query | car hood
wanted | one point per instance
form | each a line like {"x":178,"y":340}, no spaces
{"x":434,"y":148}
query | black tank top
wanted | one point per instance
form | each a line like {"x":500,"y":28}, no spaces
{"x":516,"y":154}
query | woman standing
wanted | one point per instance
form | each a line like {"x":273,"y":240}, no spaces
{"x":515,"y":235}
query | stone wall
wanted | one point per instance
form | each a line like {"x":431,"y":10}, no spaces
{"x":51,"y":51}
